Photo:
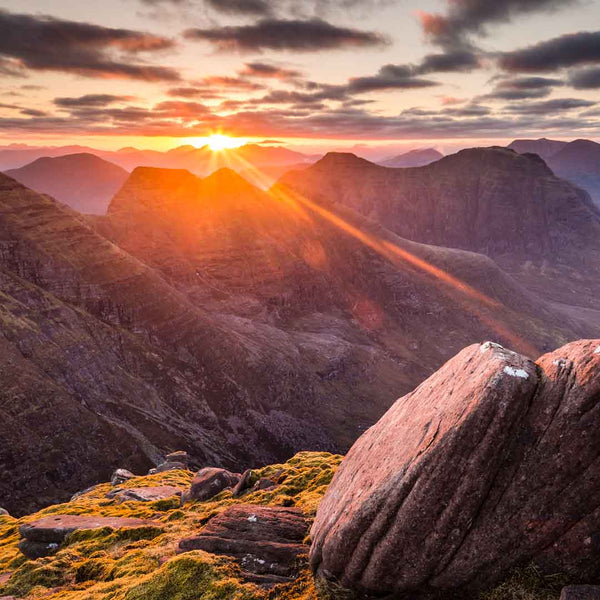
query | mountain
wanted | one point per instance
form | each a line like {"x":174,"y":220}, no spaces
{"x":82,"y":181}
{"x":200,"y":161}
{"x":494,"y":201}
{"x":208,"y":315}
{"x":542,"y":147}
{"x":414,"y":158}
{"x":578,"y":161}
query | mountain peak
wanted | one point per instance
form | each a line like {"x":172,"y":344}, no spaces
{"x":344,"y":160}
{"x":226,"y":180}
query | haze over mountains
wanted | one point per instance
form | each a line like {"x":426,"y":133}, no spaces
{"x":245,"y":325}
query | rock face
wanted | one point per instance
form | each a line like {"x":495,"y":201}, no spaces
{"x":477,"y":471}
{"x":83,"y":181}
{"x":580,"y":592}
{"x":266,"y":541}
{"x":44,"y":536}
{"x":210,"y":481}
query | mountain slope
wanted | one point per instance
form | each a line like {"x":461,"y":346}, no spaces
{"x":414,"y":158}
{"x":82,"y":181}
{"x":542,"y":147}
{"x":508,"y":206}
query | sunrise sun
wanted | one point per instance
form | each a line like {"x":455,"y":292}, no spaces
{"x":218,"y":142}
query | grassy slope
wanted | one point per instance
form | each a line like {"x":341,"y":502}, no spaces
{"x":142,"y":565}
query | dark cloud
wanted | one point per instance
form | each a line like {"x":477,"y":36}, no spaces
{"x":90,"y":100}
{"x":550,"y":106}
{"x":389,"y":77}
{"x":585,"y":79}
{"x":268,"y":71}
{"x":451,"y":61}
{"x":466,"y":17}
{"x":241,"y":7}
{"x":565,"y":51}
{"x":521,"y":88}
{"x":44,"y":43}
{"x":282,"y":34}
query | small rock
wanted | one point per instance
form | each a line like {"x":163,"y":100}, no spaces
{"x":245,"y":483}
{"x":263,"y":484}
{"x":180,"y":457}
{"x":168,"y":466}
{"x":121,"y":476}
{"x":265,"y":541}
{"x":145,"y":494}
{"x":83,"y":492}
{"x":580,"y":592}
{"x":3,"y":512}
{"x":210,"y":481}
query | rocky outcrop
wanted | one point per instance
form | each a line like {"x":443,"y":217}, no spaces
{"x":211,"y":481}
{"x":266,"y":541}
{"x":44,"y":536}
{"x":487,"y":465}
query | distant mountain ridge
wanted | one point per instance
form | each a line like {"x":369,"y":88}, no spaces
{"x":578,"y":161}
{"x":414,"y":158}
{"x":83,"y":181}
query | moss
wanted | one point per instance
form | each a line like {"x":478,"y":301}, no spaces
{"x":190,"y":578}
{"x":107,"y":564}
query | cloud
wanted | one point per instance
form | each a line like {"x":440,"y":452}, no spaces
{"x":193,"y":92}
{"x":281,"y":35}
{"x":565,"y":51}
{"x":467,"y":17}
{"x":451,"y":61}
{"x":263,"y":70}
{"x":521,"y":88}
{"x":90,"y":100}
{"x":585,"y":79}
{"x":228,"y":83}
{"x":389,"y":77}
{"x":43,"y":43}
{"x":241,"y":7}
{"x":550,"y":106}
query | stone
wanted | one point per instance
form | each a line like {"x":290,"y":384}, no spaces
{"x":263,"y":484}
{"x":168,"y":466}
{"x":210,"y":481}
{"x":83,"y":492}
{"x":244,"y":484}
{"x":120,"y":476}
{"x":580,"y":592}
{"x":145,"y":494}
{"x":180,"y":456}
{"x":487,"y":465}
{"x":266,"y":541}
{"x":44,"y":536}
{"x":3,"y":512}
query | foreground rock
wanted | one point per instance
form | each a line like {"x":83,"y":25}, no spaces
{"x":489,"y":464}
{"x":44,"y":536}
{"x":121,"y":476}
{"x":266,"y":541}
{"x":3,"y":512}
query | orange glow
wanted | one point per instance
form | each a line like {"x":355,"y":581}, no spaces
{"x":218,"y":142}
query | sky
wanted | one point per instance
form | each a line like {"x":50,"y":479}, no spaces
{"x":313,"y":74}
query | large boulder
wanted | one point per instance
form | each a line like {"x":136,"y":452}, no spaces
{"x":489,"y":464}
{"x":266,"y":541}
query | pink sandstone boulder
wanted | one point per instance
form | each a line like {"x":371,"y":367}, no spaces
{"x":491,"y":463}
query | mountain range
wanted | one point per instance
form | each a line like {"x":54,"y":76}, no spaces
{"x":414,"y":158}
{"x":578,"y":161}
{"x":244,"y":325}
